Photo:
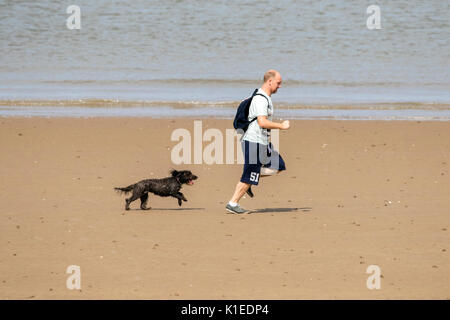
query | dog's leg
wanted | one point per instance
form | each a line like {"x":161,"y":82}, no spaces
{"x":135,"y":196}
{"x":144,"y":199}
{"x":180,"y":197}
{"x":176,"y":195}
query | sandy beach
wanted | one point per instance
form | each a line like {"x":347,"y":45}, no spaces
{"x":355,"y":194}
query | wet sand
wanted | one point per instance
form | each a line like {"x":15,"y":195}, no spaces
{"x":356,"y":193}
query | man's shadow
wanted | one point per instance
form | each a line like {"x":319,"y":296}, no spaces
{"x":277,"y":210}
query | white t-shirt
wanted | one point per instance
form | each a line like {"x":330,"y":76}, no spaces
{"x":259,"y":107}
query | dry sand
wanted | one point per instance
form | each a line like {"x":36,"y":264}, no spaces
{"x":366,"y":193}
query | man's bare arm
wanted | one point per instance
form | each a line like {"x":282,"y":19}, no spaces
{"x":265,"y":123}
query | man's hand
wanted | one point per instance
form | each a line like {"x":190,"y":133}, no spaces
{"x":263,"y":122}
{"x":285,"y":125}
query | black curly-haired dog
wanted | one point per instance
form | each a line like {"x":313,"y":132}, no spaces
{"x":166,"y":187}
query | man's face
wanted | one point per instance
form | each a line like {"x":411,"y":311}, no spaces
{"x":275,"y":83}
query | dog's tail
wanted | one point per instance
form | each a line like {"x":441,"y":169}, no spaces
{"x":125,"y":190}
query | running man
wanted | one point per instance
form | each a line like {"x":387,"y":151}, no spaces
{"x":260,"y":159}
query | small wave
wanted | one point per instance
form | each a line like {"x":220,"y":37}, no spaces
{"x":116,"y":103}
{"x":99,"y":103}
{"x":223,"y":113}
{"x":245,"y":82}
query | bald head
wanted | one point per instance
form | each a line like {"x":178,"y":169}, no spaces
{"x":272,"y":81}
{"x":270,"y":74}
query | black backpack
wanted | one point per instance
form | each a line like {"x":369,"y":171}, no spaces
{"x":241,"y":118}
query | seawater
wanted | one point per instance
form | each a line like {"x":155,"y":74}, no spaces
{"x":215,"y":52}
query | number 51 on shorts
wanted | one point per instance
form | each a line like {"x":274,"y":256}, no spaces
{"x":254,"y":176}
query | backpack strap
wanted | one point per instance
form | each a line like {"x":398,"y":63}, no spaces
{"x":252,"y":120}
{"x":259,"y":94}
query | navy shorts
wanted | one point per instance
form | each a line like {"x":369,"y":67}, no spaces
{"x":256,"y":156}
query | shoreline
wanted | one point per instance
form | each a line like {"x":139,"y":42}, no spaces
{"x":224,"y":113}
{"x":218,"y":92}
{"x":181,"y":104}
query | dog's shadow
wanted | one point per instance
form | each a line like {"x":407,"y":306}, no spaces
{"x":167,"y":209}
{"x":278,"y":210}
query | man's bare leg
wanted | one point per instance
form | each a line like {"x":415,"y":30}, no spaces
{"x":266,"y":172}
{"x":233,"y":205}
{"x":241,"y":187}
{"x":240,"y":190}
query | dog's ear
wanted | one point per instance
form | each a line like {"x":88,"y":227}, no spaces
{"x":174,"y":173}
